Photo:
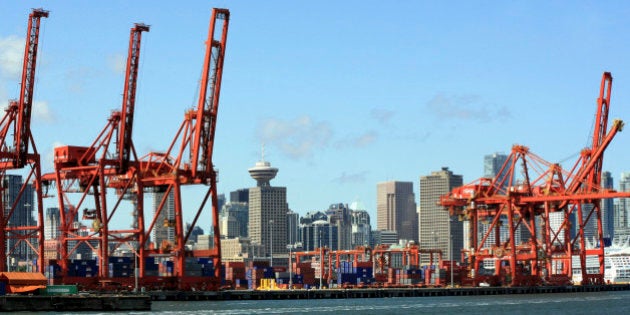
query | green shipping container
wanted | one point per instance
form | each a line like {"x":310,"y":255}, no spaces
{"x":59,"y":290}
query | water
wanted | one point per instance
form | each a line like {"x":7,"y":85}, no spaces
{"x":556,"y":303}
{"x":537,"y":304}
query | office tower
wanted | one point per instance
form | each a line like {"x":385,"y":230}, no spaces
{"x":228,"y":227}
{"x":622,"y":207}
{"x":384,"y":237}
{"x":436,"y":225}
{"x":163,"y":233}
{"x":339,"y":216}
{"x":240,"y":195}
{"x":22,"y":216}
{"x":608,"y":208}
{"x":51,"y":223}
{"x":396,"y":209}
{"x":267,"y":210}
{"x":319,"y":233}
{"x":361,"y":228}
{"x":220,"y":202}
{"x":234,"y":217}
{"x":196,"y":231}
{"x":492,"y":164}
{"x":293,"y":228}
{"x":239,"y":249}
{"x":313,"y":216}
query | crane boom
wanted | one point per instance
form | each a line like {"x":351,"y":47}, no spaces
{"x":129,"y":97}
{"x":208,"y":105}
{"x":593,"y":157}
{"x":25,"y":104}
{"x":601,"y":124}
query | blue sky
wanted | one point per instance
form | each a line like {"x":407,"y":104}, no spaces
{"x":344,"y":94}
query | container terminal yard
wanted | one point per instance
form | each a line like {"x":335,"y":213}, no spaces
{"x":87,"y":177}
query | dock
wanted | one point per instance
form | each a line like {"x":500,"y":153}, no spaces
{"x":372,"y":293}
{"x":112,"y":302}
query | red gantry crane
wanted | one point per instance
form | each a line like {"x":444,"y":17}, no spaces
{"x":18,"y":155}
{"x":83,"y":176}
{"x":529,"y":192}
{"x":167,"y":171}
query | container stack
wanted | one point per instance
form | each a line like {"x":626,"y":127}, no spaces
{"x":121,"y":267}
{"x":191,"y":267}
{"x":364,"y":272}
{"x":346,"y":274}
{"x":151,"y":268}
{"x":254,"y":276}
{"x":166,"y":268}
{"x":392,"y":274}
{"x":305,"y":272}
{"x":235,"y":273}
{"x":84,"y":268}
{"x":207,"y":266}
{"x":54,"y":269}
{"x":411,"y":276}
{"x":433,"y":276}
{"x":282,"y":277}
{"x":380,"y":277}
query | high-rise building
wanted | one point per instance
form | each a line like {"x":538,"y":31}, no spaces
{"x":220,"y":202}
{"x":318,"y":234}
{"x":194,"y":234}
{"x":234,"y":218}
{"x":339,"y":215}
{"x":608,"y":208}
{"x":22,"y":215}
{"x":361,"y":228}
{"x":384,"y":237}
{"x":313,"y":216}
{"x":435,"y":224}
{"x":240,"y":195}
{"x":396,"y":209}
{"x":164,"y":230}
{"x":622,"y":208}
{"x":492,"y":164}
{"x":51,"y":223}
{"x":268,"y":210}
{"x":293,"y":228}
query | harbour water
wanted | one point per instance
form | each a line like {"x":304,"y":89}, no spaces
{"x":558,"y":303}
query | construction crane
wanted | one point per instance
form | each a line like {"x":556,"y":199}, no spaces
{"x":83,"y":176}
{"x":18,"y":155}
{"x":527,"y":190}
{"x":164,"y":173}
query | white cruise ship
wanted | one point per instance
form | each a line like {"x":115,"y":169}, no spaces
{"x":616,"y":263}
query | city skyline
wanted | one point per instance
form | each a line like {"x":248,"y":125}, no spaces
{"x":331,"y":106}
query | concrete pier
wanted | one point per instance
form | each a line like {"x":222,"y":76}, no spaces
{"x":373,"y":293}
{"x":35,"y":303}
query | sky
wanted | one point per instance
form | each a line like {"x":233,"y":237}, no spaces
{"x":343,"y":94}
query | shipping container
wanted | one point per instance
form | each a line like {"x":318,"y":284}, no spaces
{"x":59,"y":290}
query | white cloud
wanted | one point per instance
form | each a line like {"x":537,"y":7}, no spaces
{"x":3,"y":97}
{"x":117,"y":63}
{"x":351,"y":178}
{"x":77,"y":78}
{"x":42,"y":112}
{"x":382,"y":115}
{"x":11,"y":55}
{"x":360,"y":141}
{"x":466,"y":107}
{"x":297,"y":138}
